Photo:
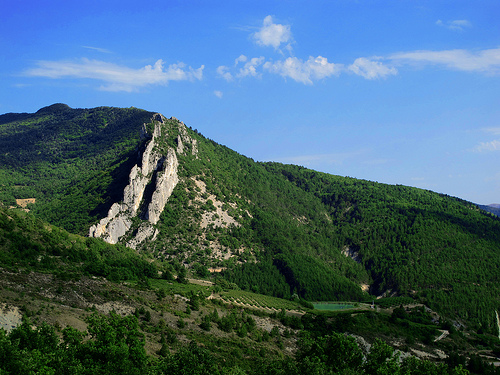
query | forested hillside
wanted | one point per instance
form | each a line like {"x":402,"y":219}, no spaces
{"x":72,"y":161}
{"x":492,"y":208}
{"x":27,"y":242}
{"x":170,"y":327}
{"x":274,"y":229}
{"x":431,"y":247}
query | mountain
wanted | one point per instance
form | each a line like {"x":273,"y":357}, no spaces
{"x":121,"y":200}
{"x":65,"y":311}
{"x":157,"y":186}
{"x":492,"y":208}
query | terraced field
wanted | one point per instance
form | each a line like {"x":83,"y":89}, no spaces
{"x":260,"y":302}
{"x":246,"y":299}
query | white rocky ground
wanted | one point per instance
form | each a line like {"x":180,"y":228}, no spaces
{"x":10,"y":317}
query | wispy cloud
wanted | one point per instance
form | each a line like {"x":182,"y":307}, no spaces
{"x":487,"y":146}
{"x":224,"y":72}
{"x":103,"y":50}
{"x":486,"y":61}
{"x":218,"y":94}
{"x":273,"y":34}
{"x":495,"y":131}
{"x":455,"y":25}
{"x":374,"y":162}
{"x":377,"y":67}
{"x":307,"y":160}
{"x":116,"y":77}
{"x":315,"y":68}
{"x":493,"y":177}
{"x":371,"y":69}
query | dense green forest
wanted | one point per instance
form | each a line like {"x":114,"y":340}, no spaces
{"x":428,"y":246}
{"x":415,"y":242}
{"x":75,"y":162}
{"x":115,"y":345}
{"x":299,"y":232}
{"x":27,"y":242}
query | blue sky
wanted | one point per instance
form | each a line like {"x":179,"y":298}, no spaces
{"x":400,"y":92}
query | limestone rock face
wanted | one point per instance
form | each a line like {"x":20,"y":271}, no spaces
{"x":112,"y":227}
{"x":117,"y":228}
{"x":133,"y":192}
{"x":165,"y":184}
{"x":183,"y":139}
{"x":158,"y":165}
{"x":145,"y":231}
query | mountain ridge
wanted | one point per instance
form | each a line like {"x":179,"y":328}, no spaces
{"x":408,"y":268}
{"x":275,"y":229}
{"x":492,"y":208}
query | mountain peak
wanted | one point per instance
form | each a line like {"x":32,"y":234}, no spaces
{"x":54,"y":108}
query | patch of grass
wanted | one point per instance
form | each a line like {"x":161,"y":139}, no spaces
{"x":178,"y":288}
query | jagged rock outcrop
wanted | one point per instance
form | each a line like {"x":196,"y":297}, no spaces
{"x":184,"y":138}
{"x":158,"y":165}
{"x":145,"y":231}
{"x":112,"y":227}
{"x":165,"y":183}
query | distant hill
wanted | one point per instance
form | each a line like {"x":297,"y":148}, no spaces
{"x":492,"y":208}
{"x":149,"y":182}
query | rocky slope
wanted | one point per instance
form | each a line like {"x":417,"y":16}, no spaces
{"x":157,"y":168}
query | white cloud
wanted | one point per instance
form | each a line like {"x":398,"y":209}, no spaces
{"x":455,"y":25}
{"x":371,"y":69}
{"x":488,"y":146}
{"x":103,"y":50}
{"x":316,"y":68}
{"x":487,"y":61}
{"x":223,"y":72}
{"x":250,"y":67}
{"x":241,"y":58}
{"x":306,"y":72}
{"x":272,"y":34}
{"x":495,"y":131}
{"x":116,"y":77}
{"x":218,"y":94}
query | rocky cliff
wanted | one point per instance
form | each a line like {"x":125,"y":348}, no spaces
{"x":151,"y":182}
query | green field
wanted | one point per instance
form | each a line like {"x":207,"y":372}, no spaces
{"x":332,"y":306}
